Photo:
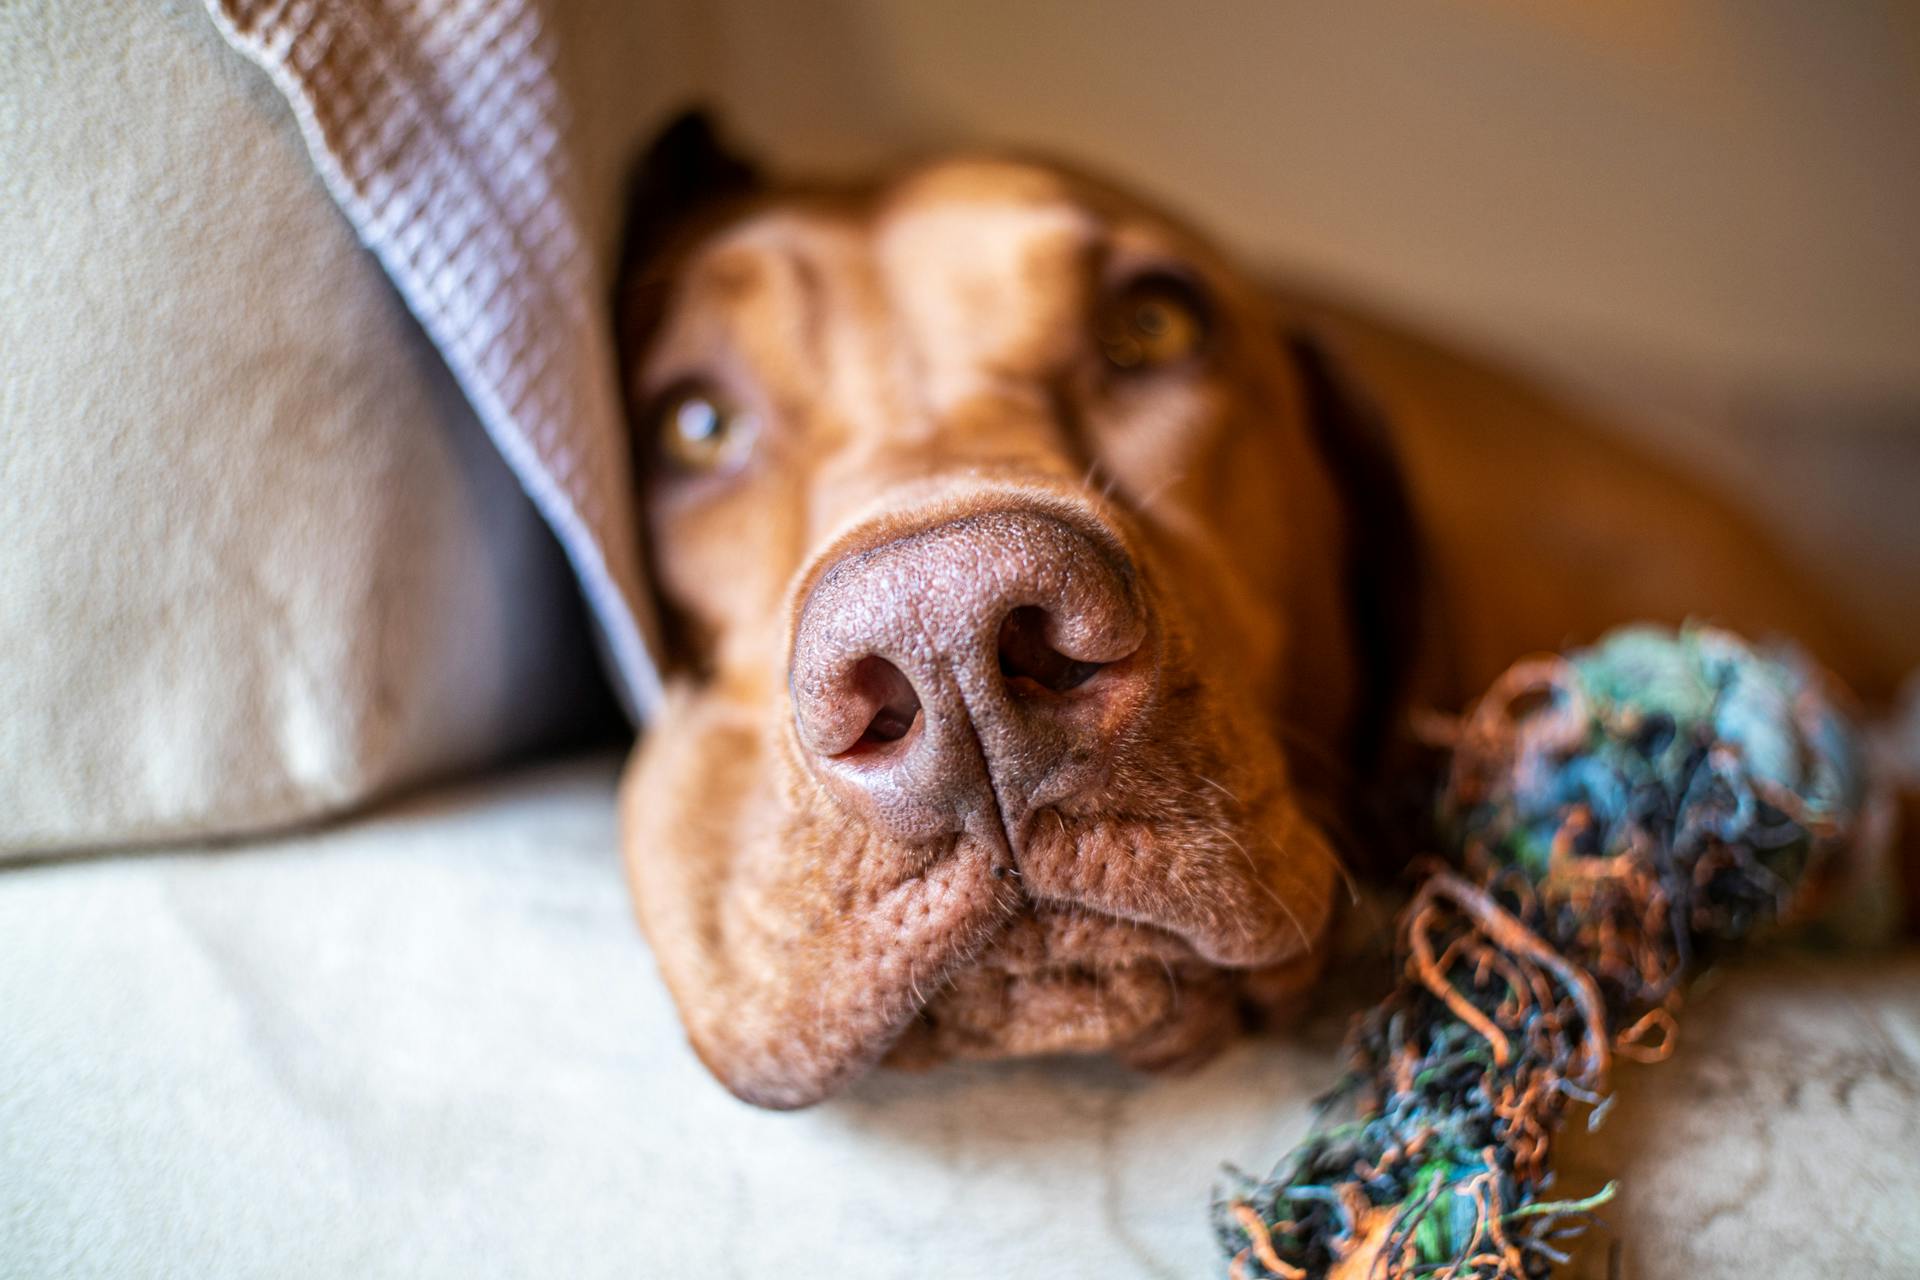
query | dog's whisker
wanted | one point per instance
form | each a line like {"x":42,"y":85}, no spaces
{"x":1218,"y":787}
{"x":1254,"y":870}
{"x":1339,"y":830}
{"x":1173,"y":981}
{"x":1145,"y":501}
{"x":1323,"y":849}
{"x":1296,"y":740}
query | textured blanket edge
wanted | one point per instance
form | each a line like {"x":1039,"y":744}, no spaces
{"x":438,"y":130}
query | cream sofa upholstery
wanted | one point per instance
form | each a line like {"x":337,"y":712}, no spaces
{"x":430,"y":1043}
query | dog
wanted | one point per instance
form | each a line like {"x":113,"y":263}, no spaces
{"x":1044,"y":595}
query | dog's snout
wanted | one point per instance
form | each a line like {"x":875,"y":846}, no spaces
{"x":972,"y":670}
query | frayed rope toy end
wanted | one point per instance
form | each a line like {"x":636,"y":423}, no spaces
{"x":1612,"y":813}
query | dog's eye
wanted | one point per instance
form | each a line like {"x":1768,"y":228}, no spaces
{"x":699,"y":429}
{"x":1152,"y":321}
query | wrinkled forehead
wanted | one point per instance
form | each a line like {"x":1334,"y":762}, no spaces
{"x":974,"y":264}
{"x":993,"y":257}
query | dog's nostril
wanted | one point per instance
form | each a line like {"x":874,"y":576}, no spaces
{"x":1026,"y":659}
{"x":887,"y":688}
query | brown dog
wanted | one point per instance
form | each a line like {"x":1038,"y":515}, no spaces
{"x":1041,"y":588}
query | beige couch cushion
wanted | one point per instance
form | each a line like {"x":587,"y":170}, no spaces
{"x":258,"y":561}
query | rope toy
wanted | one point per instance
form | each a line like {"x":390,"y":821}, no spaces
{"x":1613,"y":813}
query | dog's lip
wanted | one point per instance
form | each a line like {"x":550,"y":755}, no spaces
{"x":1067,"y":981}
{"x":1074,"y":1010}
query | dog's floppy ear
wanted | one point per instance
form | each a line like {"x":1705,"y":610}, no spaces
{"x":684,"y":176}
{"x":687,"y":171}
{"x":1385,"y":596}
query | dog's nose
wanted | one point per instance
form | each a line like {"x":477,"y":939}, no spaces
{"x":971,"y":672}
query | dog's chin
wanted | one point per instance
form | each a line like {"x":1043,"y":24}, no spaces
{"x":1060,"y":981}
